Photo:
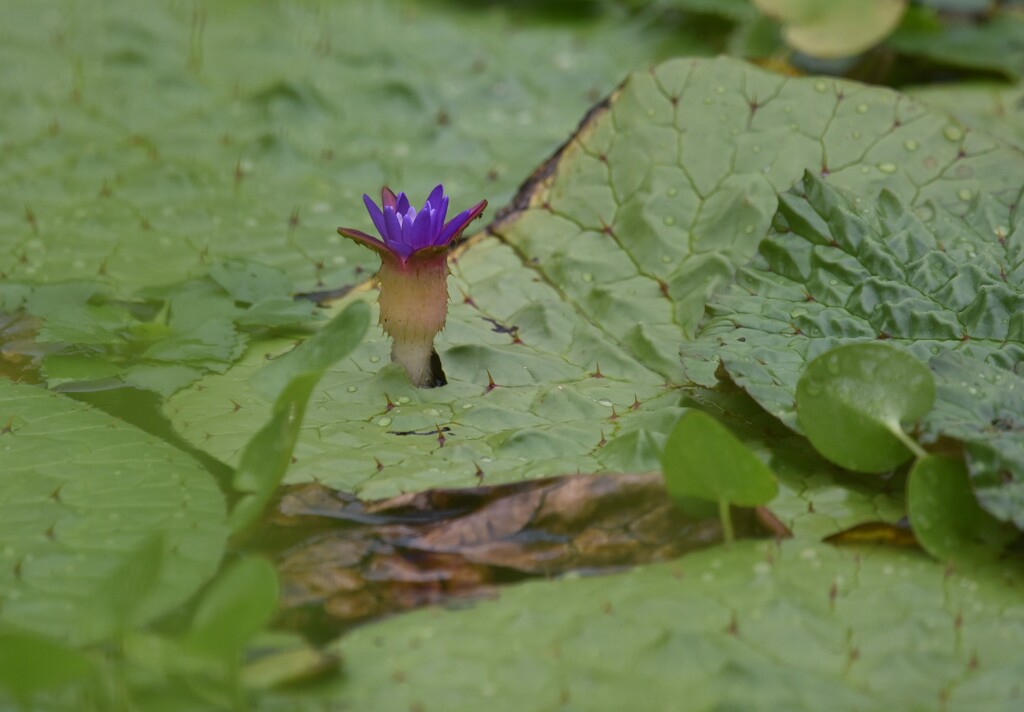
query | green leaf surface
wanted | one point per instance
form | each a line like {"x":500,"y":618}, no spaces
{"x":983,"y":406}
{"x":854,"y":401}
{"x":754,"y":627}
{"x":996,"y":109}
{"x":142,"y":143}
{"x":839,"y":269}
{"x":31,"y":664}
{"x":603,"y":266}
{"x":947,"y":521}
{"x":81,"y":494}
{"x":834,"y":28}
{"x":991,"y":44}
{"x":238,"y":604}
{"x":703,"y":459}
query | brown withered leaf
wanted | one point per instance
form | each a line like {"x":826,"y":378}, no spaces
{"x":899,"y":535}
{"x":349,"y":561}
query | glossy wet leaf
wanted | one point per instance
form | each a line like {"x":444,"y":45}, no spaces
{"x":335,"y":340}
{"x":82,"y":494}
{"x":605,"y":265}
{"x":945,"y":516}
{"x":855,"y":401}
{"x":799,"y":626}
{"x":163,"y":338}
{"x":834,"y":28}
{"x":237,"y":605}
{"x":291,"y":380}
{"x":983,"y":406}
{"x":142,"y":144}
{"x":31,"y":664}
{"x":994,"y":108}
{"x":702,"y":459}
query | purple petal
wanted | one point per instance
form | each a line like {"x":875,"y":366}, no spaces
{"x":420,"y":233}
{"x":376,"y":215}
{"x":393,"y":236}
{"x":387,"y":197}
{"x":408,"y":222}
{"x":457,"y":224}
{"x":435,"y":197}
{"x":439,"y":218}
{"x":402,"y":207}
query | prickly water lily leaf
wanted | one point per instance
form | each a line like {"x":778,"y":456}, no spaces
{"x":983,"y":406}
{"x":82,"y":494}
{"x":834,"y":28}
{"x":838,"y":269}
{"x":756,"y":627}
{"x":947,"y":520}
{"x":853,"y":401}
{"x":562,"y":340}
{"x":290,"y":381}
{"x":702,"y":459}
{"x":996,"y":109}
{"x":142,"y":144}
{"x":162,"y":339}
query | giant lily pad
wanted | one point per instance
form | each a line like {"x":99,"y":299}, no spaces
{"x":142,"y":143}
{"x":561,"y":348}
{"x":82,"y":493}
{"x":762,"y":627}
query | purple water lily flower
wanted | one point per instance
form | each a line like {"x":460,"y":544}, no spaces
{"x":406,"y":230}
{"x":413,"y":275}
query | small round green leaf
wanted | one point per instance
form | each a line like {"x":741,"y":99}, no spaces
{"x":852,"y":400}
{"x":947,"y":519}
{"x":703,"y":459}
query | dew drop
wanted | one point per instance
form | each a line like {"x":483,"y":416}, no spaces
{"x":467,"y":406}
{"x":708,"y":100}
{"x":605,"y":402}
{"x":669,"y":220}
{"x":788,"y":110}
{"x":671,"y":192}
{"x":651,"y":113}
{"x":833,"y":282}
{"x":856,"y":134}
{"x":374,"y":359}
{"x":719,"y":89}
{"x":749,"y":229}
{"x":756,"y":149}
{"x":384,"y":422}
{"x":910,"y":145}
{"x":934,"y":349}
{"x":813,"y":388}
{"x":862,"y":108}
{"x":887,"y":167}
{"x":953,"y":133}
{"x":587,"y":277}
{"x":820,"y":86}
{"x":965,"y":194}
{"x":403,"y":399}
{"x":352,"y":389}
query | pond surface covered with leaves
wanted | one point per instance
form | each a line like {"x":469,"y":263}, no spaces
{"x":734,"y":401}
